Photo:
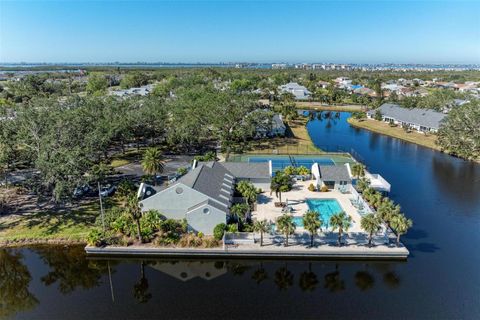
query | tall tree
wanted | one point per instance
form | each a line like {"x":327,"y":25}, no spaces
{"x":286,"y":226}
{"x":312,"y":223}
{"x":400,"y":225}
{"x":340,"y":221}
{"x":153,"y":162}
{"x":460,"y":131}
{"x":371,"y":224}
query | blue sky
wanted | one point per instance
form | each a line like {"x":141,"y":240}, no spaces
{"x":214,"y":31}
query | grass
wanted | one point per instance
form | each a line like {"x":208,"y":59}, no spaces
{"x":318,"y":106}
{"x":128,"y":157}
{"x":47,"y":225}
{"x":297,"y":141}
{"x":396,"y":132}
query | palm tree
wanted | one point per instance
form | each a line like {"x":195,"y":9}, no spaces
{"x":371,"y":224}
{"x":153,"y":162}
{"x":280,"y":182}
{"x":286,"y":226}
{"x":341,"y":222}
{"x":400,"y":225}
{"x":311,"y":223}
{"x":358,"y":170}
{"x":133,"y":209}
{"x":261,"y":226}
{"x":239,"y":211}
{"x":387,"y":210}
{"x":362,"y":184}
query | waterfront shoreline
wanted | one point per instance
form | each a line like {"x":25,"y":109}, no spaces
{"x":279,"y":252}
{"x":378,"y":127}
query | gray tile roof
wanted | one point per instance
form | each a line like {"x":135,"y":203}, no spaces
{"x":423,"y":117}
{"x":245,"y":170}
{"x":213,"y":181}
{"x":334,"y":173}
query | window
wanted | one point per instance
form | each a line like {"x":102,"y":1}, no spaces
{"x":179,"y":190}
{"x":206,"y":210}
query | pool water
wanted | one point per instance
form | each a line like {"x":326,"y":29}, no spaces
{"x":280,"y":163}
{"x":325,"y":208}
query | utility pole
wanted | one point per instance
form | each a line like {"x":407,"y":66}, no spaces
{"x":101,"y":206}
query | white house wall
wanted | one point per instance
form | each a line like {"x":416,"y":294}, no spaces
{"x":174,"y":205}
{"x":199,"y":220}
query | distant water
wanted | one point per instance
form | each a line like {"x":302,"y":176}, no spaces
{"x":440,"y":280}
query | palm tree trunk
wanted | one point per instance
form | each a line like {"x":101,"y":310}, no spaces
{"x":286,"y":243}
{"x":398,"y":239}
{"x":370,"y":240}
{"x":261,"y":239}
{"x":340,"y":237}
{"x":311,"y":240}
{"x":280,"y":196}
{"x":139,"y":232}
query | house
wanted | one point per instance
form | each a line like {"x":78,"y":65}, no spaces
{"x":337,"y":176}
{"x":422,"y":120}
{"x":363,"y":91}
{"x":205,"y":194}
{"x":140,"y":91}
{"x":323,"y":84}
{"x":278,"y":127}
{"x":298,"y":91}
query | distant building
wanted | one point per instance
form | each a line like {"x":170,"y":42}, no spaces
{"x":140,"y":91}
{"x":422,"y":120}
{"x":279,"y":66}
{"x":277,"y":128}
{"x":299,"y":91}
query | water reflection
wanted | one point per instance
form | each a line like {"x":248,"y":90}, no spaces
{"x":140,"y":289}
{"x":14,"y":284}
{"x":69,"y":268}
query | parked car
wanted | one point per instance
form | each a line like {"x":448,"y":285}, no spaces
{"x":107,"y":191}
{"x":82,"y":190}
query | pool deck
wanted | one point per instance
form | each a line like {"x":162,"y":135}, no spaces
{"x":296,"y":199}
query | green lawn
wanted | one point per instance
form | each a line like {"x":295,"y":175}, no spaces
{"x":64,"y":225}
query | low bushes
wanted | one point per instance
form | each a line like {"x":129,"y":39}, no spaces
{"x":218,"y":231}
{"x":311,"y":187}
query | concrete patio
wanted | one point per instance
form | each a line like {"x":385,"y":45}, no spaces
{"x":296,"y":199}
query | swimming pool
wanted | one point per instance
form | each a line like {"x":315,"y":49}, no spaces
{"x":325,"y":208}
{"x":280,"y":162}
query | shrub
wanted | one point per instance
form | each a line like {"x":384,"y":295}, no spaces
{"x":209,"y":156}
{"x":218,"y":231}
{"x":200,"y":235}
{"x":311,"y":187}
{"x":232,"y":228}
{"x":247,"y":228}
{"x":110,"y":216}
{"x":182,"y":171}
{"x":95,"y":238}
{"x":302,"y":170}
{"x":290,"y":170}
{"x":324,"y":189}
{"x":124,"y":224}
{"x":210,"y":242}
{"x":190,"y":240}
{"x":151,"y":219}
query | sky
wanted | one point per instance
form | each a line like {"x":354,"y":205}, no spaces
{"x":240,"y":31}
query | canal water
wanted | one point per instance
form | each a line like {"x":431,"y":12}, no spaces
{"x":441,"y":279}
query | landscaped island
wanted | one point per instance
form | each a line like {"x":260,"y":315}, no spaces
{"x":259,"y":208}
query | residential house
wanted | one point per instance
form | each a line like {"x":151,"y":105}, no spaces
{"x":298,"y":91}
{"x":422,"y":120}
{"x":204,"y":195}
